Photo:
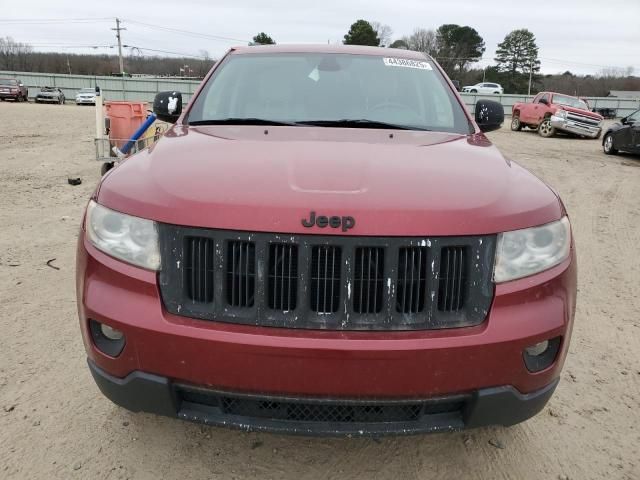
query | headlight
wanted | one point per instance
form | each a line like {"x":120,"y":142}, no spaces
{"x":525,"y":252}
{"x":131,"y":239}
{"x":561,"y":113}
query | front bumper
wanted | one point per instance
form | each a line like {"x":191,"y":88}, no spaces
{"x":575,"y":128}
{"x":281,"y":362}
{"x":146,"y":392}
{"x":11,"y":95}
{"x":90,"y":101}
{"x":48,"y":99}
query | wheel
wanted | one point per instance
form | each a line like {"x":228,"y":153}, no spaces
{"x":474,"y":91}
{"x":26,"y":98}
{"x":496,"y":93}
{"x":60,"y":101}
{"x":607,"y":145}
{"x":106,"y":166}
{"x":545,"y":129}
{"x":516,"y":126}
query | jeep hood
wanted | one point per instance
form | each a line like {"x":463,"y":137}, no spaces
{"x":394,"y":183}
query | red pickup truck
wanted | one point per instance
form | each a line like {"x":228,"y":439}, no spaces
{"x":552,"y":112}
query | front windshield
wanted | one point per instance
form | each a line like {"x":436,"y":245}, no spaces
{"x":324,"y":87}
{"x":570,"y":102}
{"x":8,"y":81}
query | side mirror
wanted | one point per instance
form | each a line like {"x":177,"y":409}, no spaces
{"x":544,"y":101}
{"x":624,"y":121}
{"x":168,"y":106}
{"x":489,"y":115}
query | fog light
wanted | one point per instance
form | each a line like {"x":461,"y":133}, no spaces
{"x":108,"y":340}
{"x":111,"y":333}
{"x":541,"y":355}
{"x":534,"y":351}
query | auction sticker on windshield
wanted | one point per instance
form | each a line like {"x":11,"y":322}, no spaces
{"x":405,"y":63}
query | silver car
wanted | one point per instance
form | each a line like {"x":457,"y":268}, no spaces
{"x":50,"y":95}
{"x":86,"y":96}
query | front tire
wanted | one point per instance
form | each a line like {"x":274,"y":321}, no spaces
{"x":545,"y":129}
{"x":607,"y":145}
{"x":516,"y":126}
{"x":474,"y":91}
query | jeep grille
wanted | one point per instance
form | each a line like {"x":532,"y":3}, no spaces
{"x":326,"y":282}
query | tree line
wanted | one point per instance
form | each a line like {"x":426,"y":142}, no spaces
{"x":457,"y":48}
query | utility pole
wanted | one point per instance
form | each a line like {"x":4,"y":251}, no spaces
{"x":530,"y":74}
{"x":117,"y":30}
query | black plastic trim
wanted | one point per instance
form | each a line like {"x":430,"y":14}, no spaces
{"x":477,"y":290}
{"x":502,"y":405}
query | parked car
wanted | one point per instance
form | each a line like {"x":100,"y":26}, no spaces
{"x":484,"y":88}
{"x":623,"y":136}
{"x":50,"y":95}
{"x":552,"y":112}
{"x":86,"y":96}
{"x":313,"y":247}
{"x":11,"y":88}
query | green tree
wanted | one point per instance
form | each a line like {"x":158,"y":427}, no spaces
{"x":361,"y":33}
{"x":518,"y":53}
{"x":263,"y":39}
{"x":400,"y":44}
{"x":457,"y":47}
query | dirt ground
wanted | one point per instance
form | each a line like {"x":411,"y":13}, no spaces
{"x":54,"y":423}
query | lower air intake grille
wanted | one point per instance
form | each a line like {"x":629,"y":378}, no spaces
{"x":317,"y":410}
{"x":199,"y":269}
{"x":412,"y":274}
{"x":241,"y":274}
{"x":283,"y":277}
{"x":452,"y":283}
{"x":309,"y":412}
{"x":325,"y":279}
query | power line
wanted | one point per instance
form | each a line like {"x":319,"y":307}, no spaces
{"x":52,"y":21}
{"x":186,"y":55}
{"x":187,"y":32}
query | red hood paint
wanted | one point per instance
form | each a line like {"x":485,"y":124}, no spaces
{"x":394,"y":183}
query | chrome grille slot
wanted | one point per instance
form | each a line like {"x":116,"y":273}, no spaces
{"x":241,"y":274}
{"x":368,"y":280}
{"x":283,"y":277}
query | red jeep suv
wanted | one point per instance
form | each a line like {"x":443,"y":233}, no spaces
{"x":326,"y":243}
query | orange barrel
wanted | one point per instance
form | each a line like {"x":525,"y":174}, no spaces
{"x":124,"y":119}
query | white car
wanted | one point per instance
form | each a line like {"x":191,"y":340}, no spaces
{"x":86,"y":96}
{"x":485,"y":88}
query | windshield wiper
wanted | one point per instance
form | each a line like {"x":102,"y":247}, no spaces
{"x":242,"y":121}
{"x":359,"y":123}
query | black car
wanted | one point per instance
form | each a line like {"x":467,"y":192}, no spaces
{"x":623,"y":136}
